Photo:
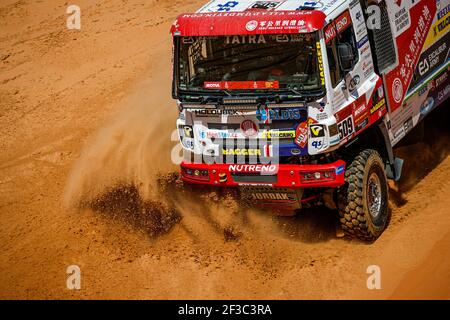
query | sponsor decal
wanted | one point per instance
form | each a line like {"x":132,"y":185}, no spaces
{"x":264,"y":114}
{"x":443,"y":94}
{"x":320,"y":116}
{"x":249,"y":128}
{"x":188,"y":143}
{"x":441,"y":26}
{"x":340,"y":170}
{"x":188,"y":132}
{"x":320,"y":60}
{"x":359,"y":111}
{"x":333,"y":130}
{"x":317,"y":131}
{"x":244,"y":39}
{"x":423,"y":90}
{"x":399,"y":134}
{"x":441,"y":79}
{"x":283,"y":38}
{"x":378,"y":106}
{"x":337,"y":26}
{"x":330,"y":32}
{"x":369,"y":71}
{"x":362,"y":125}
{"x":271,"y":196}
{"x":354,"y":82}
{"x":346,"y":127}
{"x":310,"y":5}
{"x":408,"y":125}
{"x":317,"y":111}
{"x":410,"y":41}
{"x":226,"y":7}
{"x":317,"y":144}
{"x":402,"y":20}
{"x":264,"y":5}
{"x":215,"y":112}
{"x":436,"y":55}
{"x":363,"y":41}
{"x":397,"y":90}
{"x":241,"y":152}
{"x":343,"y":21}
{"x":212,"y":85}
{"x":218,"y":135}
{"x":256,"y":21}
{"x":359,"y":16}
{"x":251,"y":25}
{"x":301,"y":134}
{"x":427,"y":106}
{"x":253,"y":168}
{"x":285,"y":114}
{"x":279,"y":134}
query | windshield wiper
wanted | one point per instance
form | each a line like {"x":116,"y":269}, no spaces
{"x":288,"y":94}
{"x":203,"y":96}
{"x":295,"y":91}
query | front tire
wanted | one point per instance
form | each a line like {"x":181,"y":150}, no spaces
{"x":363,"y":201}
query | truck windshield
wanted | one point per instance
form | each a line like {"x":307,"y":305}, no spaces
{"x":250,"y":63}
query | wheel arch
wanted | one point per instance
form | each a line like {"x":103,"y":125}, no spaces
{"x":377,"y":137}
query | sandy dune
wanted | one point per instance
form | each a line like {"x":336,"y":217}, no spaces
{"x":82,"y":111}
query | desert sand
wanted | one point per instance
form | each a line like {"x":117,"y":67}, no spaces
{"x":86,"y":124}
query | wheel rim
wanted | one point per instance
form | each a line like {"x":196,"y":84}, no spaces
{"x":374,"y":197}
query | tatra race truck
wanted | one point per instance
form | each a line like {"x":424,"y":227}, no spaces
{"x":295,"y":103}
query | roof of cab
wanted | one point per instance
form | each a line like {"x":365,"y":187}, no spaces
{"x":326,"y":6}
{"x":251,"y":23}
{"x":234,"y":17}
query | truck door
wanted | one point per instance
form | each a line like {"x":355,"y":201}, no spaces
{"x":357,"y":91}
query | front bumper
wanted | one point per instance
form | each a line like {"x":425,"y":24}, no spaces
{"x":329,"y":175}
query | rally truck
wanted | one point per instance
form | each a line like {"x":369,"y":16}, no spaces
{"x":299,"y":103}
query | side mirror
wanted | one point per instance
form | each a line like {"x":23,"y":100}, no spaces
{"x":346,"y":57}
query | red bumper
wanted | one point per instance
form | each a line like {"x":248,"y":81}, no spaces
{"x":278,"y":176}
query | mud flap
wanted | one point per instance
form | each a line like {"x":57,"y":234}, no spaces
{"x":394,"y":165}
{"x":394,"y":171}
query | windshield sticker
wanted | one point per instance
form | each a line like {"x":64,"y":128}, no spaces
{"x":241,"y":85}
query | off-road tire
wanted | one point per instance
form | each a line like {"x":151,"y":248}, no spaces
{"x":353,"y":199}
